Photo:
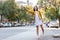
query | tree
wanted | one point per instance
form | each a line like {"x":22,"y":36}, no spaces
{"x":1,"y":9}
{"x":10,"y":9}
{"x":53,"y":13}
{"x":21,"y":14}
{"x":26,"y":16}
{"x":52,"y":9}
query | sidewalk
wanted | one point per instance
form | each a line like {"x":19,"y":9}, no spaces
{"x":31,"y":35}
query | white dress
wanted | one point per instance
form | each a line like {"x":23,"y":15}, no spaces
{"x":37,"y":20}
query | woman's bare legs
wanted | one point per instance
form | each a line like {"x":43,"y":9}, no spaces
{"x":42,"y":28}
{"x":37,"y":30}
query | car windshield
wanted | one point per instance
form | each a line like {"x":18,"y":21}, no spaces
{"x":53,"y":22}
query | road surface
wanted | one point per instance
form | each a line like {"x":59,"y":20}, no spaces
{"x":29,"y":33}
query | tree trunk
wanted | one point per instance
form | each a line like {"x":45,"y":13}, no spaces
{"x":59,"y":22}
{"x":1,"y":18}
{"x":18,"y":20}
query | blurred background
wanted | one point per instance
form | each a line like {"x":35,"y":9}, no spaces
{"x":14,"y":13}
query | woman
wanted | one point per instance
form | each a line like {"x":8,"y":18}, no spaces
{"x":38,"y":19}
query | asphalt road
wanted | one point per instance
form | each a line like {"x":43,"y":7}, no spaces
{"x":29,"y":33}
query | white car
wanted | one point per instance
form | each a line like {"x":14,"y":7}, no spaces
{"x":1,"y":23}
{"x":17,"y":24}
{"x":53,"y":24}
{"x":7,"y":24}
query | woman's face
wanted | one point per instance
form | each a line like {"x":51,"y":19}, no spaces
{"x":36,"y":8}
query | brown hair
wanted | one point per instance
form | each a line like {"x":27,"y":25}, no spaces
{"x":35,"y":8}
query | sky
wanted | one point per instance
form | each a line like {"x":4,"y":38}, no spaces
{"x":32,"y":2}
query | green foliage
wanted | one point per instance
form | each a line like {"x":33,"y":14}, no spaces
{"x":59,"y":11}
{"x":12,"y":12}
{"x":52,"y":13}
{"x":23,"y":15}
{"x":1,"y":7}
{"x":10,"y":9}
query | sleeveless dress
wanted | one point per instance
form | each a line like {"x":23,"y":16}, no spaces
{"x":37,"y":20}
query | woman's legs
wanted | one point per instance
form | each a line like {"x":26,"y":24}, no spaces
{"x":37,"y":30}
{"x":42,"y":28}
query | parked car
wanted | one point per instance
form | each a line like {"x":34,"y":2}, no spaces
{"x":53,"y":24}
{"x":7,"y":24}
{"x":17,"y":24}
{"x":1,"y":24}
{"x":13,"y":24}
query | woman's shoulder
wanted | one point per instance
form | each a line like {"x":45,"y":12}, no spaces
{"x":39,"y":11}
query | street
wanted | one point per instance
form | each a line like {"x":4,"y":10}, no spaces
{"x":29,"y":33}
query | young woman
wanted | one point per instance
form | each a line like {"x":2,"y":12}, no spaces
{"x":38,"y":19}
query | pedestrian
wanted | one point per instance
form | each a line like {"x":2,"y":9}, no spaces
{"x":38,"y":19}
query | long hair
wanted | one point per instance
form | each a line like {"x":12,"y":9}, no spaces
{"x":35,"y":8}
